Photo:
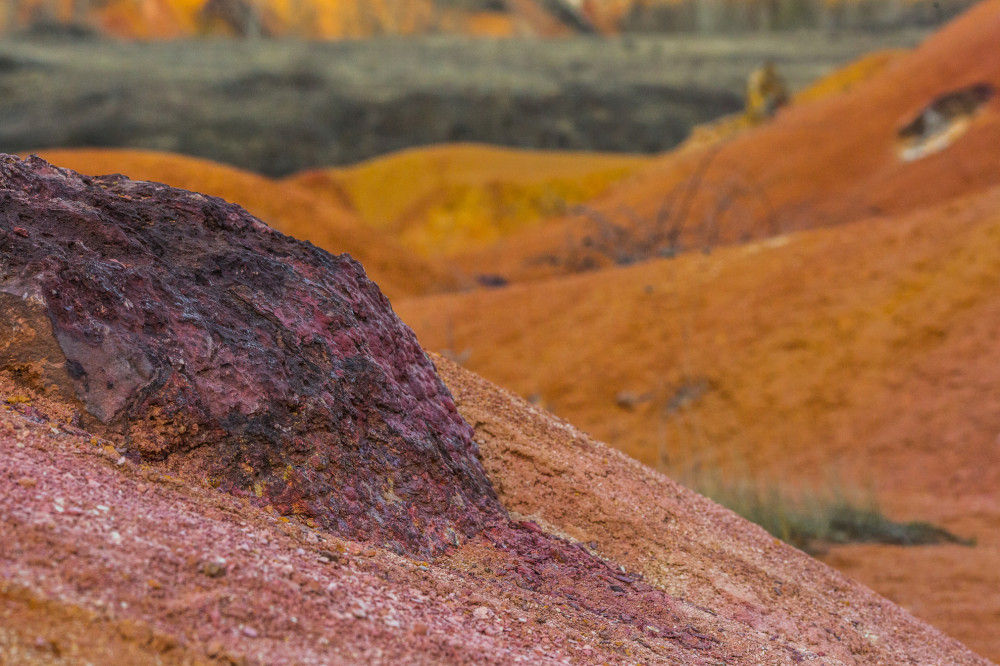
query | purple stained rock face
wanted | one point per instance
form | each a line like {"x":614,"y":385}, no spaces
{"x":194,"y":330}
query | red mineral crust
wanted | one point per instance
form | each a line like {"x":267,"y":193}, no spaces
{"x":196,"y":334}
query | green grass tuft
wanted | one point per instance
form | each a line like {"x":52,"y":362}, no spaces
{"x":814,"y":518}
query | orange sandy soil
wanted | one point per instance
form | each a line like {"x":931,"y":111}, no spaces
{"x":454,"y":198}
{"x":101,"y":559}
{"x":823,"y":162}
{"x":861,"y":351}
{"x":284,"y":206}
{"x":314,"y":19}
{"x":332,"y":19}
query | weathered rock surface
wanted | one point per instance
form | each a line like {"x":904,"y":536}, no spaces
{"x":193,"y":331}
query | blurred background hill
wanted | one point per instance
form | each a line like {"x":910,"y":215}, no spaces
{"x":338,"y":19}
{"x":279,"y":86}
{"x":279,"y":106}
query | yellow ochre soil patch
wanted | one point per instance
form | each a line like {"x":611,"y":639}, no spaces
{"x":456,"y":198}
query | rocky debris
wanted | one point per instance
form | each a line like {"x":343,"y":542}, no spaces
{"x":195,"y":334}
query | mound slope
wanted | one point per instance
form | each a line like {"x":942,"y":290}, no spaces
{"x":129,"y":563}
{"x":857,"y":350}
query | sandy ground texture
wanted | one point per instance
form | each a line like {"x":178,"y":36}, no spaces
{"x":105,"y":560}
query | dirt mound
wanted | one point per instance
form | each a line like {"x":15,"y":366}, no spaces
{"x":821,"y":163}
{"x":289,"y":209}
{"x":202,"y":337}
{"x":101,"y":558}
{"x":453,"y":198}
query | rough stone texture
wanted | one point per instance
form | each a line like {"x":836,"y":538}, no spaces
{"x":191,"y":330}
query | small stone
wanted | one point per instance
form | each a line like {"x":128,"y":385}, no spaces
{"x":213,"y":569}
{"x":154,"y":584}
{"x":481,"y":613}
{"x":27,"y":482}
{"x":250,"y":632}
{"x":44,"y":645}
{"x":420,"y":629}
{"x":359,"y":613}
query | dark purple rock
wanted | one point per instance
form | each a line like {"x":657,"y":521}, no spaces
{"x":194,"y":330}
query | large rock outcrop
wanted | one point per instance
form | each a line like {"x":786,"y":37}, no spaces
{"x":192,"y":331}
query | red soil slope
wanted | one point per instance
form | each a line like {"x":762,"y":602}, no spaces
{"x":289,"y":209}
{"x":819,"y":163}
{"x":861,"y":350}
{"x":104,"y":559}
